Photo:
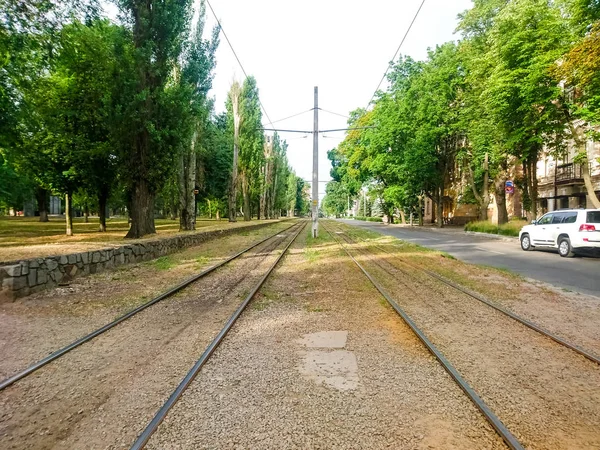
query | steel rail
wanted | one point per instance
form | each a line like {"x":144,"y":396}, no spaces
{"x":58,"y":353}
{"x":145,"y":436}
{"x":491,"y":417}
{"x":497,"y":307}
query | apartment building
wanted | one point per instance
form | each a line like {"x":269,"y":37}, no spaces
{"x":560,"y":181}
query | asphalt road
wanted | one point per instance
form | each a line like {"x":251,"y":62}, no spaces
{"x":579,"y":274}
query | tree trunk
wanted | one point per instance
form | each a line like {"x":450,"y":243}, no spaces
{"x":173,"y":205}
{"x":500,"y":183}
{"x":440,"y":206}
{"x":585,"y":167}
{"x":69,"y":214}
{"x":187,"y":184}
{"x":534,"y":186}
{"x":580,"y":144}
{"x":246,"y":195}
{"x":403,"y":217}
{"x":587,"y":180}
{"x":41,"y":195}
{"x":526,"y":190}
{"x":86,"y":213}
{"x":262,"y":206}
{"x":272,"y":196}
{"x":235,"y":101}
{"x":485,"y":198}
{"x":218,"y":216}
{"x":142,"y":211}
{"x":102,"y":199}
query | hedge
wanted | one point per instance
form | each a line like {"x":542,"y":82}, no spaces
{"x":369,"y":219}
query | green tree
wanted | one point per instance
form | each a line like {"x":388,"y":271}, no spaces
{"x":159,"y":31}
{"x":336,"y":198}
{"x":251,"y":145}
{"x":196,"y":81}
{"x":579,"y":71}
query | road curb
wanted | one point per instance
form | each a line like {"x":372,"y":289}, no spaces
{"x":434,"y":229}
{"x":493,"y":236}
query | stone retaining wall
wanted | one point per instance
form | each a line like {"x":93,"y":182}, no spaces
{"x":22,"y":278}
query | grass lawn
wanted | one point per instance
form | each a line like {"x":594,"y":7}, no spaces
{"x":28,"y":237}
{"x":511,"y":228}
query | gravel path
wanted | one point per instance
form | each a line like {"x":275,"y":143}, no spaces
{"x":276,"y":383}
{"x":547,"y":395}
{"x":571,"y":315}
{"x":102,"y":394}
{"x":41,"y":323}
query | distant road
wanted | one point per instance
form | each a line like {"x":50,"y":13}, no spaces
{"x":580,"y":274}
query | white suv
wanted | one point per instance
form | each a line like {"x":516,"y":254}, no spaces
{"x":571,"y":231}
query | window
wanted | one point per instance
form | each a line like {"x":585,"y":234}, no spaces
{"x":547,"y":219}
{"x":558,"y":218}
{"x":570,"y":217}
{"x":593,"y":217}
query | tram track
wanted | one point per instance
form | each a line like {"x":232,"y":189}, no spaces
{"x":477,"y":296}
{"x":450,"y":331}
{"x":490,"y":416}
{"x":168,"y":293}
{"x":161,"y":414}
{"x":139,"y":362}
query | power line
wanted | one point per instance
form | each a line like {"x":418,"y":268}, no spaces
{"x":235,"y":54}
{"x":334,"y":113}
{"x":281,"y":130}
{"x":395,"y":54}
{"x":289,"y":117}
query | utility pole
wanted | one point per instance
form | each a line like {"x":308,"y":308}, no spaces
{"x":315,"y":175}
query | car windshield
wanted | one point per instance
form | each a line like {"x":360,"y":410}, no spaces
{"x":593,"y":217}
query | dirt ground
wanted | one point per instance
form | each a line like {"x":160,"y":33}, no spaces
{"x":102,"y":394}
{"x":318,"y":360}
{"x":546,"y":394}
{"x":571,"y":315}
{"x":41,"y":323}
{"x":271,"y":386}
{"x":26,"y":237}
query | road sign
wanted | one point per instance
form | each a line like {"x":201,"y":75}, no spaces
{"x":509,"y":187}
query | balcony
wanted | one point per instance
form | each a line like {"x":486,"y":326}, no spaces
{"x":569,"y":173}
{"x":565,"y":174}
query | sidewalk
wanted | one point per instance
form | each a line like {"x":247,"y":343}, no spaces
{"x":447,"y":229}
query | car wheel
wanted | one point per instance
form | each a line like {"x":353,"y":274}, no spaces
{"x":526,"y":242}
{"x":564,"y":248}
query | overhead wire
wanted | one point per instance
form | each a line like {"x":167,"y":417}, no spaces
{"x":236,"y":56}
{"x":396,"y":54}
{"x":290,"y":117}
{"x":334,"y":113}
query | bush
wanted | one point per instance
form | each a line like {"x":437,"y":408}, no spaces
{"x":511,"y":228}
{"x":369,"y":219}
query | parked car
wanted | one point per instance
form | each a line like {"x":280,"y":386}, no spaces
{"x":570,"y":231}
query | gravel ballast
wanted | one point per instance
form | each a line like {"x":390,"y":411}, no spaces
{"x":273,"y":383}
{"x":102,"y":394}
{"x":36,"y":326}
{"x":546,"y":394}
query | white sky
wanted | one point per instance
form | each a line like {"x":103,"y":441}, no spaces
{"x":341,"y":46}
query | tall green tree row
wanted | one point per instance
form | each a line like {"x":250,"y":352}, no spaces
{"x":97,"y":110}
{"x":522,"y":79}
